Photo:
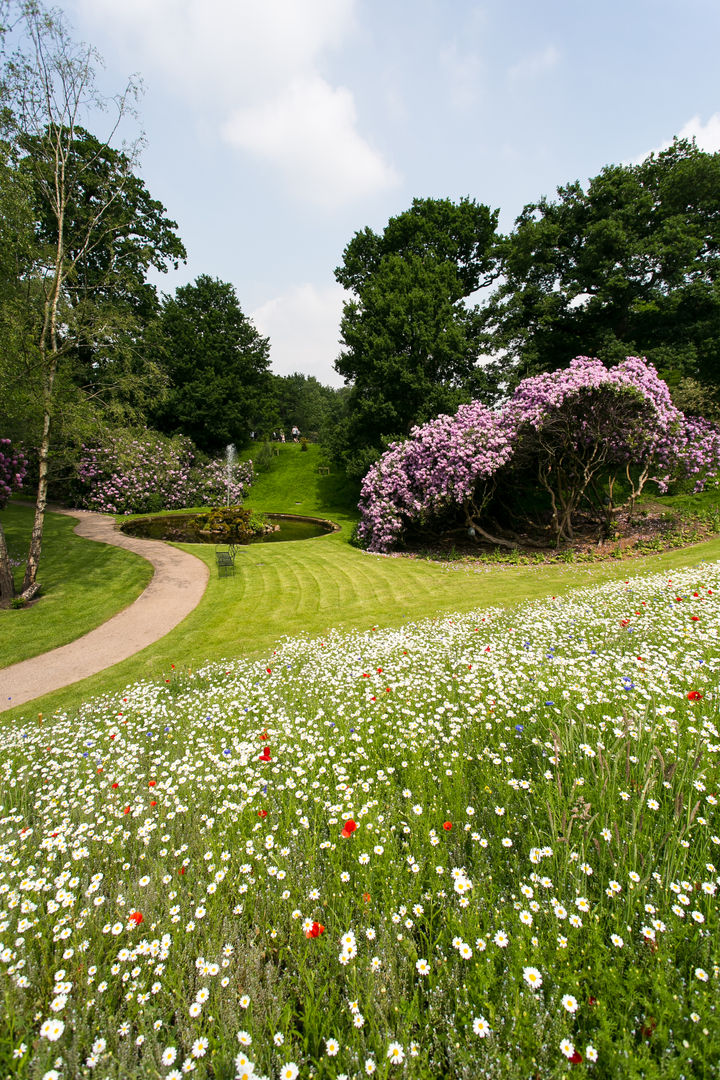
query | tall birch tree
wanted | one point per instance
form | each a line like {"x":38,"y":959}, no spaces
{"x":48,"y":92}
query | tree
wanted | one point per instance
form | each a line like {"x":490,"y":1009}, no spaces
{"x":580,"y":428}
{"x":107,"y":286}
{"x":47,"y":88}
{"x":632,"y":264}
{"x":216,"y":362}
{"x":411,"y":341}
{"x":302,"y":401}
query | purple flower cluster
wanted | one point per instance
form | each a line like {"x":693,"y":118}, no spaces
{"x":575,"y":424}
{"x":13,"y":468}
{"x":442,"y":462}
{"x":135,"y":473}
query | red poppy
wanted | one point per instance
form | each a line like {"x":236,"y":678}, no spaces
{"x":264,"y":735}
{"x":116,"y":785}
{"x":379,"y":671}
{"x":126,"y":810}
{"x":182,"y":869}
{"x":153,"y":802}
{"x":366,"y":897}
{"x":447,"y":825}
{"x":315,"y":930}
{"x":265,"y":756}
{"x":348,"y":828}
{"x":695,"y":618}
{"x":575,"y":1059}
{"x":152,"y":783}
{"x":694,"y":695}
{"x":262,"y":813}
{"x":269,"y":670}
{"x":136,"y":917}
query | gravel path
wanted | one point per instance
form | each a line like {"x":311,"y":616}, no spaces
{"x":176,"y":588}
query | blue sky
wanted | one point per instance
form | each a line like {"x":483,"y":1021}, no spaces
{"x":278,"y":128}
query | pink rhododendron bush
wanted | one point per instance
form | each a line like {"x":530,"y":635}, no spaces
{"x":580,"y":444}
{"x":143,"y":472}
{"x":13,"y":467}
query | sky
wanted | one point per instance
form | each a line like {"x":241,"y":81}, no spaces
{"x":277,"y":129}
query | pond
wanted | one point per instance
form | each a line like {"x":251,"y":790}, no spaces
{"x":181,"y":529}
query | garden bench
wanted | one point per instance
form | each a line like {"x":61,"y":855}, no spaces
{"x":225,"y":559}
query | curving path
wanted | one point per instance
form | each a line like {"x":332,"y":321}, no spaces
{"x":176,"y":588}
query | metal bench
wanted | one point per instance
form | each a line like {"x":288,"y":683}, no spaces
{"x":225,"y":559}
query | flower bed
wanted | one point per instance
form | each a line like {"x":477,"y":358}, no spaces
{"x":485,"y":845}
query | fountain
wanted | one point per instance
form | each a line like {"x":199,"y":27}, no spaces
{"x":230,"y":456}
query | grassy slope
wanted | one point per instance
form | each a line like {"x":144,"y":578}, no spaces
{"x":311,"y":586}
{"x":84,"y":583}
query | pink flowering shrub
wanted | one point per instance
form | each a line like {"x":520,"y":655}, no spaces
{"x":452,"y":459}
{"x":577,"y":431}
{"x":135,"y":473}
{"x":13,"y":468}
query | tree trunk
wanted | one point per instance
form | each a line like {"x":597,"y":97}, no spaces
{"x":471,"y":522}
{"x":35,"y":549}
{"x":49,"y":358}
{"x":7,"y":585}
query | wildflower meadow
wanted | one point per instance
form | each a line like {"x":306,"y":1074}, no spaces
{"x":483,"y":845}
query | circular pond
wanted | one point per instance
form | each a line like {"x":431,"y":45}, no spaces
{"x":183,"y":529}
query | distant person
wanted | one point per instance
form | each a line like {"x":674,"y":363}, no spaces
{"x":282,"y":436}
{"x":295,"y":434}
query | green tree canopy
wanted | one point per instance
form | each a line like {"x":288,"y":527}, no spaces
{"x":113,"y":233}
{"x":216,"y":362}
{"x":411,"y":341}
{"x":300,"y":401}
{"x":630,"y":265}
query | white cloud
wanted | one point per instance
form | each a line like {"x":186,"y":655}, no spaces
{"x":707,"y":137}
{"x":309,"y":131}
{"x":303,"y":325}
{"x":536,"y":64}
{"x":252,"y":69}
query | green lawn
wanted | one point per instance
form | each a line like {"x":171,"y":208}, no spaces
{"x":311,"y":586}
{"x":83,"y":584}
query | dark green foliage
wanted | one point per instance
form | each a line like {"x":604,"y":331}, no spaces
{"x":411,"y":341}
{"x":216,"y":362}
{"x":628,"y":266}
{"x":298,"y":401}
{"x":107,"y":298}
